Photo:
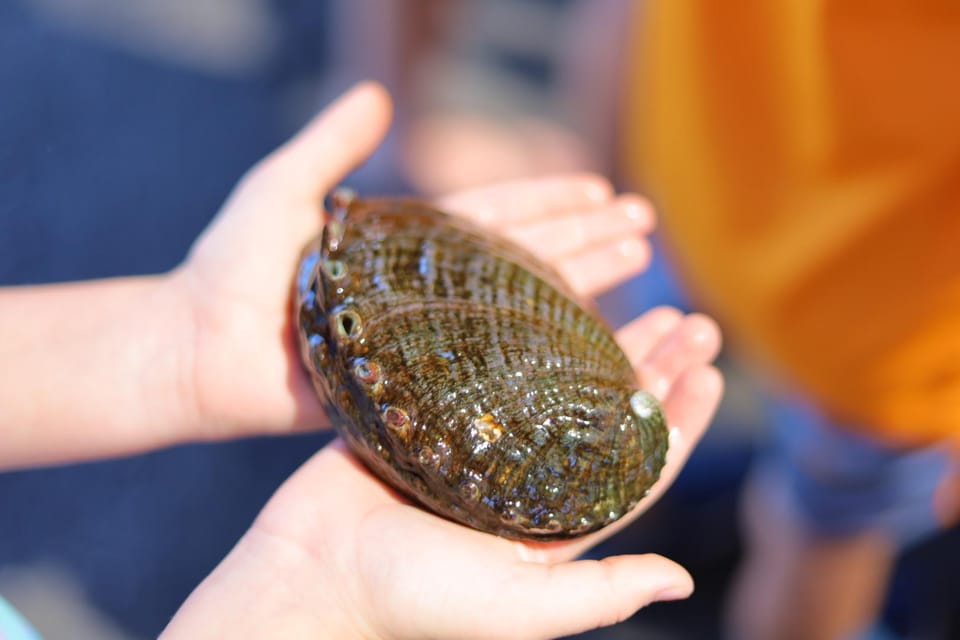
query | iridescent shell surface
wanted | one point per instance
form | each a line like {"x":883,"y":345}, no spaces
{"x":460,"y":370}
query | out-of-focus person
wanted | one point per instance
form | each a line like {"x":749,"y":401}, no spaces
{"x":805,"y":156}
{"x":478,"y":84}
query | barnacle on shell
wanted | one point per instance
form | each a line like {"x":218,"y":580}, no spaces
{"x":461,"y":370}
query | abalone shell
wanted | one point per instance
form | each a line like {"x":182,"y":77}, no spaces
{"x":462,"y":371}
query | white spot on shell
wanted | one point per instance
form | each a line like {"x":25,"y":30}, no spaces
{"x":643,"y":404}
{"x":428,"y":457}
{"x":470,"y":490}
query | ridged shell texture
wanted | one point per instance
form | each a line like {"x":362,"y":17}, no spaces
{"x":461,"y":371}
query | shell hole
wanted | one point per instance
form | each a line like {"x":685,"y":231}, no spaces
{"x":349,"y":324}
{"x":366,"y":371}
{"x":335,"y":269}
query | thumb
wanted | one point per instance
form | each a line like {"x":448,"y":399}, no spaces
{"x":568,"y":598}
{"x":275,"y":209}
{"x":341,"y":137}
{"x":534,"y":600}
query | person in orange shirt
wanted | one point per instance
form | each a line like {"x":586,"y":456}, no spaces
{"x":805,"y":157}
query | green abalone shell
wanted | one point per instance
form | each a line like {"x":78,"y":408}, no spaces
{"x":461,"y":371}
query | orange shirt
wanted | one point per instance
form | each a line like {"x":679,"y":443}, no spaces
{"x":805,"y":158}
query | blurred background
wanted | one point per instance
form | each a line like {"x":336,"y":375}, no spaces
{"x":123,"y":126}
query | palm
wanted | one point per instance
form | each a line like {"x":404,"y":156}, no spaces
{"x":430,"y":576}
{"x":405,"y":559}
{"x":399,"y":570}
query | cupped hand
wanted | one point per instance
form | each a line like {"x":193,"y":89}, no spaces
{"x":239,"y":369}
{"x":336,"y":553}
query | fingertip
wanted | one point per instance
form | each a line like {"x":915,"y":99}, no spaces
{"x":336,"y":140}
{"x":664,"y":317}
{"x":604,"y":266}
{"x":579,"y":189}
{"x":363,"y":92}
{"x":635,"y":249}
{"x":638,"y":210}
{"x":364,"y":111}
{"x":704,"y":331}
{"x":693,"y":400}
{"x":527,"y":199}
{"x":657,"y":578}
{"x":370,"y":86}
{"x":596,"y":188}
{"x":639,"y":335}
{"x":674,"y":592}
{"x":585,"y":594}
{"x":668,"y":570}
{"x":372,"y":92}
{"x":706,"y":381}
{"x":591,"y":186}
{"x":693,"y":340}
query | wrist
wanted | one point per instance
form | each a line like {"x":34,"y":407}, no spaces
{"x":268,"y":587}
{"x":174,"y":377}
{"x":238,"y":370}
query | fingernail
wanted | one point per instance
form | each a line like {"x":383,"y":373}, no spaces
{"x":631,"y":247}
{"x":700,"y":329}
{"x":676,"y":592}
{"x":597,"y":191}
{"x":634,"y":210}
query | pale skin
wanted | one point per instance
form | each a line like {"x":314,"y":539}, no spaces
{"x":205,"y":352}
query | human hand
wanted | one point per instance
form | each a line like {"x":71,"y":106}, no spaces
{"x":240,"y":370}
{"x":336,"y":553}
{"x":124,"y":365}
{"x":335,"y":550}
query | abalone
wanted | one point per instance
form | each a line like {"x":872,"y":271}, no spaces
{"x":463,"y":372}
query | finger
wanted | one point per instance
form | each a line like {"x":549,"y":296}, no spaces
{"x":689,"y":407}
{"x":694,"y":341}
{"x":562,"y":599}
{"x":331,"y":145}
{"x":639,"y":336}
{"x":276,"y":208}
{"x":529,"y":199}
{"x":602,"y":267}
{"x":575,"y":231}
